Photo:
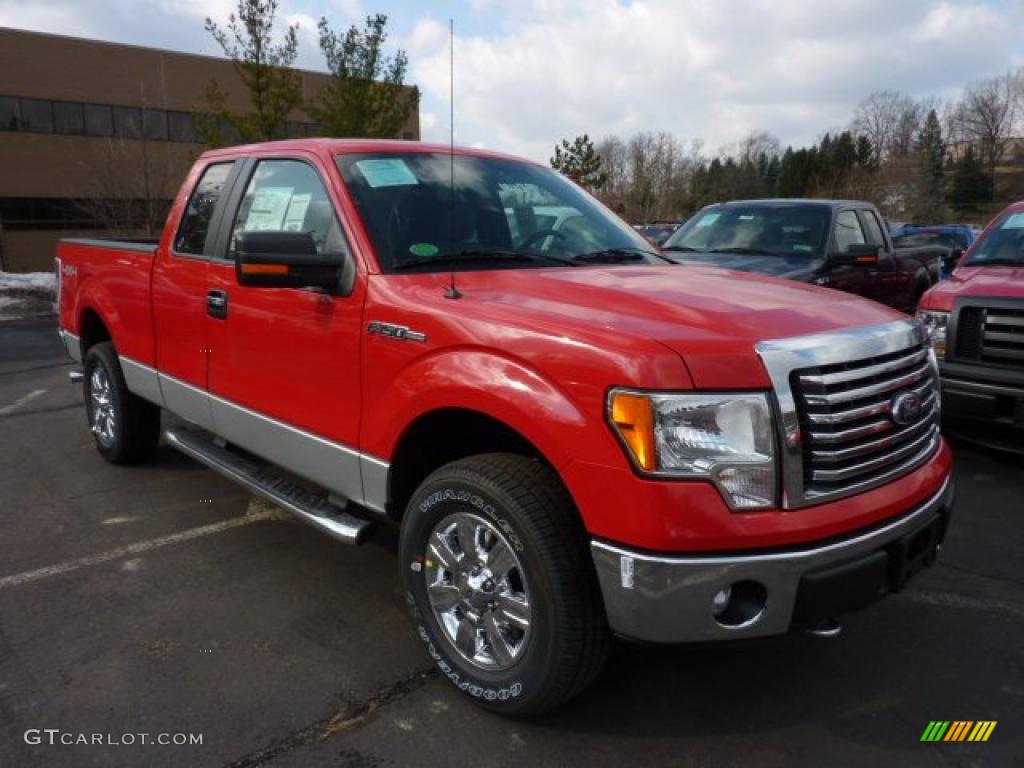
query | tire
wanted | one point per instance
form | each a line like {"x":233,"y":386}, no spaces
{"x":503,"y":504}
{"x":126,"y":428}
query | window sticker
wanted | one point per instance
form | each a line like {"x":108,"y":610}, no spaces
{"x":268,"y":208}
{"x":1013,"y":221}
{"x":708,"y":219}
{"x":802,"y":247}
{"x":423,"y":249}
{"x":387,"y":172}
{"x":296,"y":215}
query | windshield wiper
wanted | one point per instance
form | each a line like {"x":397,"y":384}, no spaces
{"x":682,"y":248}
{"x":479,"y":256}
{"x":744,"y":251}
{"x":616,"y":256}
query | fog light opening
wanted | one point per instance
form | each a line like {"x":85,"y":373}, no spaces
{"x":739,"y":605}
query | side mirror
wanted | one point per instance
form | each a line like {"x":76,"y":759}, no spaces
{"x":948,"y":262}
{"x":860,"y":255}
{"x":273,"y":259}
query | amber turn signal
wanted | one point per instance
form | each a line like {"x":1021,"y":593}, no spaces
{"x":633,"y":419}
{"x":265,"y":269}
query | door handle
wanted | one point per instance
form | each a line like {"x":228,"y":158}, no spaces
{"x":217,"y":304}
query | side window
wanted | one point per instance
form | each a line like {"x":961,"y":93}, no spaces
{"x":195,"y":224}
{"x":848,"y":231}
{"x":873,"y":228}
{"x":288,"y":196}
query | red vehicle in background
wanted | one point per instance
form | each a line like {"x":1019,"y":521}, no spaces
{"x":976,"y":323}
{"x":575,"y":437}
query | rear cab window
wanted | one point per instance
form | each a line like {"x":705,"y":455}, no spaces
{"x":194,"y":231}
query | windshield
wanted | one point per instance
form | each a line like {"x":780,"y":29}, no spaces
{"x":930,"y":237}
{"x":1002,"y":244}
{"x":506,"y":214}
{"x":764,"y":229}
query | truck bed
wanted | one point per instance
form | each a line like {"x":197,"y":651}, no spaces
{"x":109,"y":278}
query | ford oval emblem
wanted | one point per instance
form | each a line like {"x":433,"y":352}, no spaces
{"x":906,"y":408}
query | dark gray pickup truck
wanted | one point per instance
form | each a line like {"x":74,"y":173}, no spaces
{"x":840,"y":244}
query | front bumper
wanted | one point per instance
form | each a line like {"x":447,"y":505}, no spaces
{"x":987,"y":403}
{"x":668,"y":599}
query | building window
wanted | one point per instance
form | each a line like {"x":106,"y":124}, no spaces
{"x":10,"y":113}
{"x":128,"y":122}
{"x":68,"y":118}
{"x":154,"y":124}
{"x":180,"y":127}
{"x":37,"y":115}
{"x":98,"y":120}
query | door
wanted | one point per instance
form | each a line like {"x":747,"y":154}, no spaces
{"x":179,"y":295}
{"x":284,"y":377}
{"x":888,"y":283}
{"x":847,"y":231}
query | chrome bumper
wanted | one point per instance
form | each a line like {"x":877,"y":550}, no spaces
{"x":668,"y":599}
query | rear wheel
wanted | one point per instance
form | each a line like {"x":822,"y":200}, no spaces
{"x":500,"y":584}
{"x":126,"y":428}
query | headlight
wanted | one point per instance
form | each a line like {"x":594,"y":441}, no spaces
{"x":726,"y":438}
{"x":935,"y":328}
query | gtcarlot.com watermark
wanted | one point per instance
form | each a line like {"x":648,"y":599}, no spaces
{"x":56,"y":737}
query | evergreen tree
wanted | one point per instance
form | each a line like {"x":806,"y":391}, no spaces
{"x":865,"y":153}
{"x":580,"y":162}
{"x":931,"y":175}
{"x":264,"y":68}
{"x":972,"y":184}
{"x":366,"y":96}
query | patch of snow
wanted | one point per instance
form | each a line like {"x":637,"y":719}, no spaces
{"x":39,"y":284}
{"x":28,"y":294}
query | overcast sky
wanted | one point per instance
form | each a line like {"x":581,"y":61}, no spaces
{"x":529,"y":72}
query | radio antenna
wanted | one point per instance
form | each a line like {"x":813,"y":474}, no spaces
{"x":452,"y":292}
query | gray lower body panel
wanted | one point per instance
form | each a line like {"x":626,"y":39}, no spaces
{"x":668,"y":599}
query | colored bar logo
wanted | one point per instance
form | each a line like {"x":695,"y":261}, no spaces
{"x":959,"y":730}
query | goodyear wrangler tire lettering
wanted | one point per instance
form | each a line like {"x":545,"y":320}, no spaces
{"x":548,"y":638}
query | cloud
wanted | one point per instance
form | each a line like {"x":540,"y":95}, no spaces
{"x":555,"y":68}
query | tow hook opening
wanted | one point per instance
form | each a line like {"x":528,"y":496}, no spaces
{"x":739,"y":605}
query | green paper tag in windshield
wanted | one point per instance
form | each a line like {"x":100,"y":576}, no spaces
{"x":423,"y":249}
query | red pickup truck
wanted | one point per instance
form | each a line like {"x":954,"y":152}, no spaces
{"x":577,"y":438}
{"x":976,"y":324}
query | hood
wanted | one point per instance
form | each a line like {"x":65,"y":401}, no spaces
{"x":711,"y":317}
{"x":993,"y":281}
{"x":802,"y":268}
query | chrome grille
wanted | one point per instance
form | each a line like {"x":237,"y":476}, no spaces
{"x":1002,"y":341}
{"x":846,"y":416}
{"x":836,"y":392}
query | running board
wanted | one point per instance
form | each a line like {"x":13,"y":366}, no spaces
{"x":309,"y":507}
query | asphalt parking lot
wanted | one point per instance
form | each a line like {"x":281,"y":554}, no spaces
{"x":162,"y":599}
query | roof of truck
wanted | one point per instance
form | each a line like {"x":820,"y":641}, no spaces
{"x":352,"y":146}
{"x":783,"y":201}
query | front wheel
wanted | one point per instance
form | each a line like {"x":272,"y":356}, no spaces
{"x":500,"y":584}
{"x":126,"y":428}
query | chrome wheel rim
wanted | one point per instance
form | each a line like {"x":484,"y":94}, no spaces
{"x":477,"y":591}
{"x":103,"y":419}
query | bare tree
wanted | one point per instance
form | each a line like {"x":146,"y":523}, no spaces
{"x":985,"y":117}
{"x":890,"y":119}
{"x":132,"y":184}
